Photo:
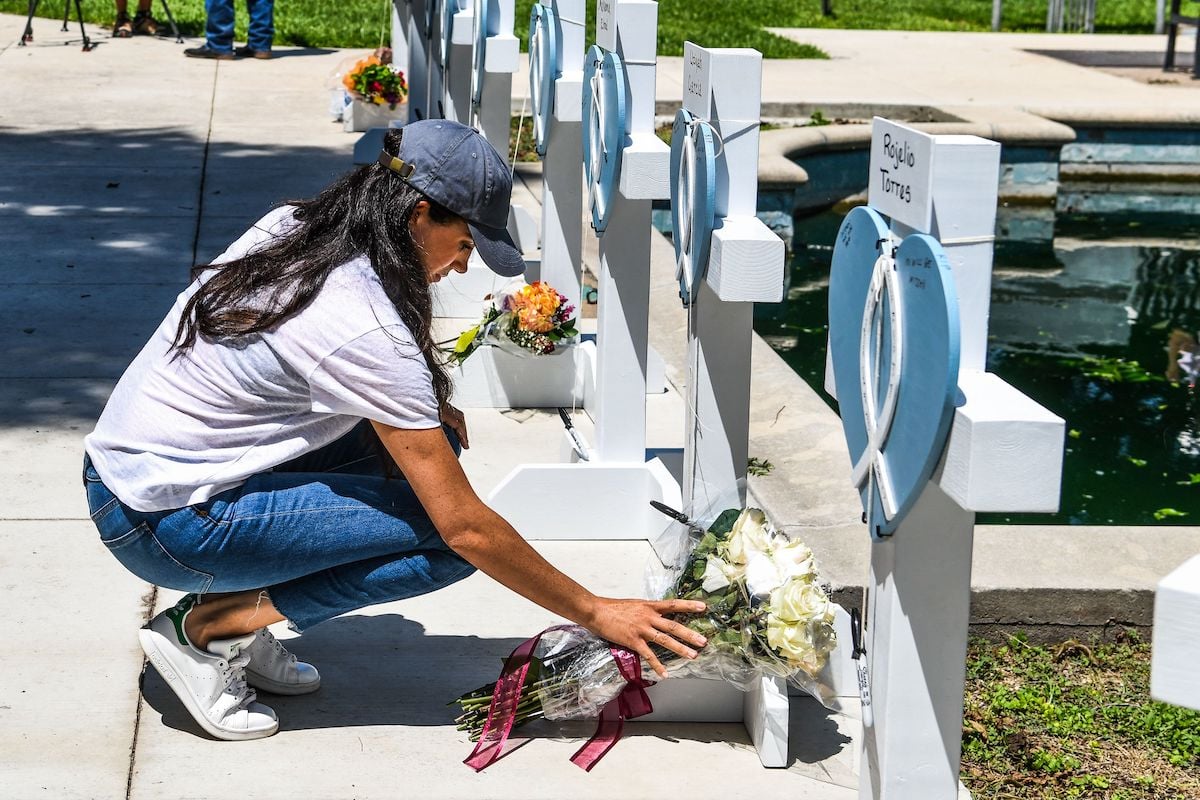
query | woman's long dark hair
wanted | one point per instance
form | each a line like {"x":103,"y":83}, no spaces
{"x":365,"y":212}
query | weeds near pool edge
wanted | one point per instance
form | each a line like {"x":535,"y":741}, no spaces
{"x":1073,"y":721}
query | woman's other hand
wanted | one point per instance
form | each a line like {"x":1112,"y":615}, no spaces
{"x":637,"y":624}
{"x":458,"y":423}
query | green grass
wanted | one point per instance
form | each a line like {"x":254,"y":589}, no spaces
{"x":303,"y":23}
{"x":712,"y":23}
{"x":1074,"y":721}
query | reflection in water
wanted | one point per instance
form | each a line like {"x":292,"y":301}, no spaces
{"x":1182,"y":360}
{"x":1098,"y":325}
{"x":1189,"y":440}
{"x":1168,"y":287}
{"x":1168,"y":290}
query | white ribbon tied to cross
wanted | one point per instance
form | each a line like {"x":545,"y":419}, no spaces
{"x":538,"y":55}
{"x":686,"y":192}
{"x":599,"y":152}
{"x":871,"y":467}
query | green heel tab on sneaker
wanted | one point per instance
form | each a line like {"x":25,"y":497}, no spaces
{"x":178,"y":612}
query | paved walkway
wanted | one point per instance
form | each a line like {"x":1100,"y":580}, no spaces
{"x":1060,"y":76}
{"x":126,"y":165}
{"x":157,"y":163}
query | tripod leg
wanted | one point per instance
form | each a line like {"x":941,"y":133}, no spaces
{"x":171,"y":19}
{"x":28,"y":35}
{"x":87,"y":43}
{"x":66,"y":14}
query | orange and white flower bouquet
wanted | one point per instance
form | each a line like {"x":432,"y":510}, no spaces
{"x":527,"y":318}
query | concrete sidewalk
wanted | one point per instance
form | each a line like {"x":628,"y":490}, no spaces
{"x":156,"y":163}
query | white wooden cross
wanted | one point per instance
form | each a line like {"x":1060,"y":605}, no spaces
{"x":401,"y":15}
{"x":492,"y":377}
{"x":745,"y":265}
{"x":454,"y":28}
{"x":618,"y":470}
{"x":442,"y":37}
{"x":1003,"y":453}
{"x":1177,"y":637}
{"x":628,"y":28}
{"x":497,"y":54}
{"x":561,"y":264}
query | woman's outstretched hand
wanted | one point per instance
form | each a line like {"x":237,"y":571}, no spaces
{"x":637,"y":624}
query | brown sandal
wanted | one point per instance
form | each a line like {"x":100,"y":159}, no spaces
{"x":144,"y":24}
{"x":123,"y":27}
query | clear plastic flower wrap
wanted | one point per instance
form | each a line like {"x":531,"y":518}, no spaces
{"x":579,"y":675}
{"x":768,"y":615}
{"x":769,"y":612}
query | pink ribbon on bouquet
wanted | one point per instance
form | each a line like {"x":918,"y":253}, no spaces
{"x":631,"y":702}
{"x":503,"y":709}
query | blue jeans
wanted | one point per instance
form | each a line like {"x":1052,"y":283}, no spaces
{"x":218,"y":27}
{"x":324,"y":534}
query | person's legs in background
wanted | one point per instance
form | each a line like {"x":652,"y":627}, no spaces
{"x":123,"y":27}
{"x":218,"y":25}
{"x":261,"y":31}
{"x":218,"y":31}
{"x":144,"y":23}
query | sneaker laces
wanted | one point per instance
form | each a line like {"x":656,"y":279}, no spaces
{"x":269,"y":639}
{"x":234,"y":673}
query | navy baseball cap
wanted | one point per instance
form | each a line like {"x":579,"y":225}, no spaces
{"x":456,"y":167}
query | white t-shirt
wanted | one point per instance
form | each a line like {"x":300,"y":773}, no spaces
{"x":177,"y":432}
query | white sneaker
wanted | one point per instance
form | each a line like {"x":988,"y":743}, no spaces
{"x":273,"y":669}
{"x":212,"y":685}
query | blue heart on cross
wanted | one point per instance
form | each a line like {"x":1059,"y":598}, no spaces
{"x":894,"y":342}
{"x":604,"y":103}
{"x":543,"y":71}
{"x":693,"y":199}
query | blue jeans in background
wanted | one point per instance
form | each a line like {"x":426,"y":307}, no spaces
{"x":218,"y":28}
{"x":324,"y":534}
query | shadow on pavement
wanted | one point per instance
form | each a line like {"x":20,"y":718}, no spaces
{"x":385,"y":670}
{"x":101,"y":228}
{"x":1116,"y":58}
{"x":375,"y":670}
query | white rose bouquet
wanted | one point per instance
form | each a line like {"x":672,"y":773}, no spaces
{"x":768,"y":615}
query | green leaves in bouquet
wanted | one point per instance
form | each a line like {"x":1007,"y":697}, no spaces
{"x":727,"y":606}
{"x":724,"y":523}
{"x":379,"y":83}
{"x":469,"y":340}
{"x":687,"y":586}
{"x":565,"y":331}
{"x":466,"y":344}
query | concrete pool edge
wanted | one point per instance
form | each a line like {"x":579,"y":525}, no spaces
{"x":779,"y":147}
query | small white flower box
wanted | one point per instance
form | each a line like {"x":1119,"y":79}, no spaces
{"x":493,"y":377}
{"x":359,"y":116}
